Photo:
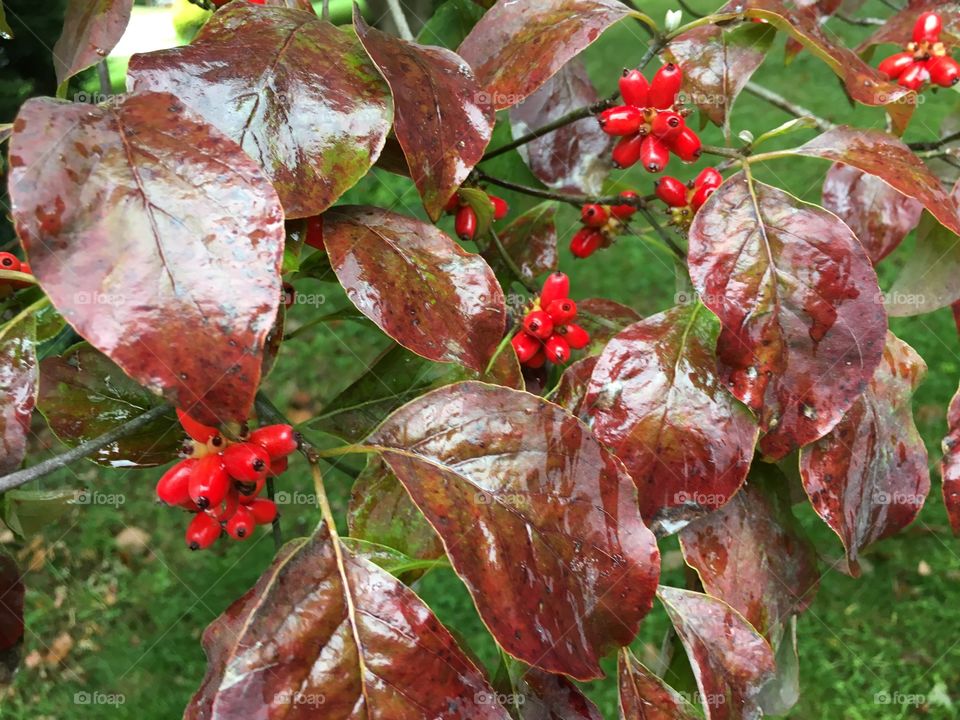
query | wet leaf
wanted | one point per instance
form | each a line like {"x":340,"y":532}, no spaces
{"x":18,"y":390}
{"x":450,"y":24}
{"x":644,"y":696}
{"x":603,"y":319}
{"x":28,"y":512}
{"x":898,"y":28}
{"x":135,"y":233}
{"x":416,"y":284}
{"x":326,"y":632}
{"x":868,"y":478}
{"x":403,"y":567}
{"x":11,"y":618}
{"x":553,"y":697}
{"x":950,"y":464}
{"x":656,"y":401}
{"x":576,"y":157}
{"x":531,"y":240}
{"x":730,"y":660}
{"x":930,"y":276}
{"x":803,"y":321}
{"x":573,"y":385}
{"x":83,"y":395}
{"x":536,"y":516}
{"x":264,"y":77}
{"x":91,"y":29}
{"x":516,"y":47}
{"x":782,"y":691}
{"x":441,"y":119}
{"x":880,"y":216}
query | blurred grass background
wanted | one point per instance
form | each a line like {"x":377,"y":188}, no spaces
{"x":116,"y":604}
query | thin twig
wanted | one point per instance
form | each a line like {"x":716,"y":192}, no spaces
{"x":689,"y":10}
{"x":325,"y":10}
{"x":664,"y":235}
{"x":787,"y":106}
{"x":510,"y":262}
{"x":103,"y":75}
{"x":400,"y":20}
{"x":722,"y":151}
{"x":22,"y":477}
{"x":863,"y":22}
{"x":935,"y":144}
{"x":277,"y":531}
{"x":571,"y":198}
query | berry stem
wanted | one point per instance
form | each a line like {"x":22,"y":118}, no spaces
{"x":929,"y":145}
{"x":722,"y":151}
{"x":503,"y":343}
{"x":400,"y":20}
{"x":275,"y":525}
{"x":510,"y":262}
{"x":578,"y":201}
{"x":325,"y":10}
{"x":787,"y":106}
{"x":663,"y":234}
{"x":863,"y":22}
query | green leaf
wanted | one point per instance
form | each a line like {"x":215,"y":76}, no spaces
{"x":28,"y":512}
{"x":450,"y":24}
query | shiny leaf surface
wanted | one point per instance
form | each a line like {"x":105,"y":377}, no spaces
{"x":450,"y":24}
{"x":136,"y":231}
{"x":536,"y":516}
{"x":553,"y":697}
{"x":803,"y":322}
{"x":91,"y":29}
{"x":416,"y":284}
{"x":644,"y":696}
{"x":573,"y":385}
{"x":531,"y":240}
{"x":18,"y":391}
{"x":930,"y":276}
{"x":603,"y":319}
{"x":264,"y":76}
{"x":950,"y":464}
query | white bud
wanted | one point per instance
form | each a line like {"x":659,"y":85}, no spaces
{"x":673,"y":19}
{"x":746,"y":136}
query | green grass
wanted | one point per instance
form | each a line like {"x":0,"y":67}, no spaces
{"x":136,"y":619}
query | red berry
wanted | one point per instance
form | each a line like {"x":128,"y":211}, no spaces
{"x":538,"y":324}
{"x":246,"y":462}
{"x":500,"y":207}
{"x":594,"y":215}
{"x":227,"y":507}
{"x":624,"y":211}
{"x":557,"y":350}
{"x":894,"y":65}
{"x":634,"y":88}
{"x":944,"y":71}
{"x":264,"y":511}
{"x":537,"y":361}
{"x":465,"y":224}
{"x":562,"y":311}
{"x":709,"y":177}
{"x":198,"y":431}
{"x":25,"y":268}
{"x":452,"y":204}
{"x":278,"y":440}
{"x":665,"y":86}
{"x":278,"y":466}
{"x":671,"y":191}
{"x":555,"y":287}
{"x":526,"y":346}
{"x":209,"y":481}
{"x":927,"y":28}
{"x":700,"y":196}
{"x":585,"y":242}
{"x":576,"y":337}
{"x":173,"y":486}
{"x":202,"y":531}
{"x":621,"y":120}
{"x":314,"y":236}
{"x":654,"y":153}
{"x":627,"y":151}
{"x":9,"y":261}
{"x":686,"y":145}
{"x":914,"y":76}
{"x":667,"y":124}
{"x":247,"y":492}
{"x":241,"y":524}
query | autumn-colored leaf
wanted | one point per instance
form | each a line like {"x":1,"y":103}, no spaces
{"x":327,"y":633}
{"x":536,"y":516}
{"x":416,"y":284}
{"x":517,"y":46}
{"x":11,"y":618}
{"x":868,"y":478}
{"x":573,"y":385}
{"x":782,"y":691}
{"x":136,"y":232}
{"x":18,"y":390}
{"x":950,"y":464}
{"x":898,"y":29}
{"x":644,"y":696}
{"x":730,"y":660}
{"x":656,"y":400}
{"x":91,"y":29}
{"x":803,"y":321}
{"x":531,"y":241}
{"x":299,"y":95}
{"x":929,"y":278}
{"x":603,"y":319}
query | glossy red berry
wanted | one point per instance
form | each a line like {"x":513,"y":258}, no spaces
{"x":709,"y":177}
{"x":562,"y":311}
{"x":526,"y":346}
{"x":585,"y":242}
{"x":557,"y":350}
{"x":627,"y":151}
{"x":25,"y":268}
{"x":241,"y":524}
{"x":577,"y":338}
{"x":539,"y":324}
{"x":623,"y":212}
{"x":465,"y":223}
{"x":452,"y":204}
{"x":196,"y":430}
{"x":555,"y":287}
{"x":621,"y":120}
{"x":9,"y":261}
{"x":914,"y":76}
{"x":927,"y":28}
{"x":537,"y":361}
{"x":247,"y":492}
{"x":225,"y":509}
{"x":173,"y":488}
{"x":671,"y":191}
{"x":264,"y":511}
{"x":654,"y":154}
{"x":500,"y":207}
{"x":944,"y":71}
{"x":246,"y":461}
{"x":665,"y":86}
{"x":202,"y":532}
{"x":209,"y":482}
{"x":314,"y":236}
{"x":278,"y":440}
{"x":700,"y":195}
{"x":594,"y":215}
{"x":686,"y":145}
{"x":667,"y":124}
{"x":278,"y":466}
{"x":634,"y":88}
{"x":894,"y":65}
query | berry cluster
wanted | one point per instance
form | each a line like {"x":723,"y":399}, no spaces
{"x":685,"y":199}
{"x":9,"y":261}
{"x":925,"y":59}
{"x":650,"y":125}
{"x":548,"y":332}
{"x":465,"y":220}
{"x":221,"y":480}
{"x":601,"y":224}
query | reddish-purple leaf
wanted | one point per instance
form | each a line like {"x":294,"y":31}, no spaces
{"x":418,"y":285}
{"x":91,"y":29}
{"x":137,"y":231}
{"x":11,"y":618}
{"x":929,"y":278}
{"x":574,"y":158}
{"x":293,"y":4}
{"x":656,"y":401}
{"x":868,"y":478}
{"x":517,"y":46}
{"x":531,"y":240}
{"x":536,"y":516}
{"x":443,"y":120}
{"x":950,"y":464}
{"x":730,"y":660}
{"x":883,"y":155}
{"x":880,"y":216}
{"x":717,"y":64}
{"x":18,"y":391}
{"x":553,"y":697}
{"x":750,"y":555}
{"x":573,"y":384}
{"x":325,"y":633}
{"x":803,"y":319}
{"x":603,"y":319}
{"x":298,"y":94}
{"x":644,"y":696}
{"x":898,"y":29}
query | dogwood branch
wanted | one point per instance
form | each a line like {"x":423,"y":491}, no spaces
{"x":574,"y":199}
{"x":787,"y":106}
{"x":935,"y":144}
